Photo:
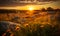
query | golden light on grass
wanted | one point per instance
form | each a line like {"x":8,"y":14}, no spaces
{"x":26,"y":25}
{"x":17,"y":27}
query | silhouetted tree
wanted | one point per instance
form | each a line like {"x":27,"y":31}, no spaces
{"x":50,"y":9}
{"x":43,"y":9}
{"x":57,"y":10}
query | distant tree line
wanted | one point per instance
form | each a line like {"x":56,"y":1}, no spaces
{"x":50,"y":9}
{"x":15,"y":11}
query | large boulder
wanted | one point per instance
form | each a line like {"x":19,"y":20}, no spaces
{"x":5,"y":25}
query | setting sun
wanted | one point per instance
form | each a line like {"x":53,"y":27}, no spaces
{"x":30,"y":8}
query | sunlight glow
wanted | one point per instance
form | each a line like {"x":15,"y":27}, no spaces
{"x":31,"y":8}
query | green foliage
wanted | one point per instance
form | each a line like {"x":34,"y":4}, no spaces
{"x":36,"y":30}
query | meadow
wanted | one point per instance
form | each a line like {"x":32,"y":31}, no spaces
{"x":34,"y":23}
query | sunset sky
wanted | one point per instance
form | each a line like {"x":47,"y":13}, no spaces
{"x":10,"y":4}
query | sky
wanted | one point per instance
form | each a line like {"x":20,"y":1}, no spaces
{"x":10,"y":4}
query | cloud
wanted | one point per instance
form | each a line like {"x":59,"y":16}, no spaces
{"x":11,"y":2}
